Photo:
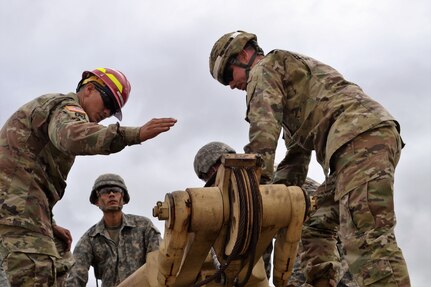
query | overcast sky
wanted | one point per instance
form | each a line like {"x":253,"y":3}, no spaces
{"x":163,"y":48}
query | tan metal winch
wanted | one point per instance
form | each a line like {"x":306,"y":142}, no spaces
{"x":231,"y":225}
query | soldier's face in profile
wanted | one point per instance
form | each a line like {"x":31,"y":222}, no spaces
{"x":93,"y":104}
{"x":235,"y":75}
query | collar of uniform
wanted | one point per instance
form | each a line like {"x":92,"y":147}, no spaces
{"x":99,"y":228}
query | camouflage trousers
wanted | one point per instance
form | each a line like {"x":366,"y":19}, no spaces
{"x":364,"y":215}
{"x":297,"y":278}
{"x":23,"y":265}
{"x":26,"y":269}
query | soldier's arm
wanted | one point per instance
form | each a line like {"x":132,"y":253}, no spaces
{"x":71,"y":132}
{"x":265,"y":115}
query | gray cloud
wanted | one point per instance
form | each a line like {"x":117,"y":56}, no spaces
{"x":163,"y":48}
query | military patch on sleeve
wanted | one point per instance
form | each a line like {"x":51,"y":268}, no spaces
{"x":74,"y":109}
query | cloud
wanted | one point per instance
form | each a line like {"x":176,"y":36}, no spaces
{"x":163,"y":47}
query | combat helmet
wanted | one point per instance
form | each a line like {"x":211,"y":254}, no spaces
{"x":109,"y":179}
{"x":208,"y":155}
{"x":227,"y":46}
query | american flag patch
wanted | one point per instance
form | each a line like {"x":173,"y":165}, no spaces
{"x":74,"y":109}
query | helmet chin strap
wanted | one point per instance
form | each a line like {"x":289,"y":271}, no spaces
{"x":247,"y":66}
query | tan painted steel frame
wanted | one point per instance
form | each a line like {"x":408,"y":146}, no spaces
{"x":200,"y":218}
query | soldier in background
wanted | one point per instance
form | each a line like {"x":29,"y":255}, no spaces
{"x":38,"y":146}
{"x":206,"y":163}
{"x":356,"y":141}
{"x":117,"y":245}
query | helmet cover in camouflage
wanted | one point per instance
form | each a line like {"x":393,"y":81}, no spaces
{"x":109,"y":179}
{"x":227,"y":46}
{"x":208,"y":155}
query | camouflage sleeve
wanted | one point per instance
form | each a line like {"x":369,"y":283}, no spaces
{"x":265,"y":115}
{"x":78,"y":275}
{"x":152,"y":238}
{"x":71,"y":132}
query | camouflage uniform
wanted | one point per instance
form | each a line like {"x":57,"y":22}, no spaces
{"x":16,"y":243}
{"x":298,"y":278}
{"x":319,"y":110}
{"x":62,"y":265}
{"x":38,"y":145}
{"x":113,"y":262}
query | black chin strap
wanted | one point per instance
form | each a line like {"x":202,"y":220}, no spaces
{"x":247,"y":66}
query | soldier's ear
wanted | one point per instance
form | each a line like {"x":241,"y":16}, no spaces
{"x":89,"y":88}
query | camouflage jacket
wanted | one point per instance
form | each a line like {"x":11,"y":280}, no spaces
{"x":113,"y":263}
{"x":314,"y":105}
{"x":38,"y":145}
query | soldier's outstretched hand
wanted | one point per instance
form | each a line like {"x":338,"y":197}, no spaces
{"x":156,"y":126}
